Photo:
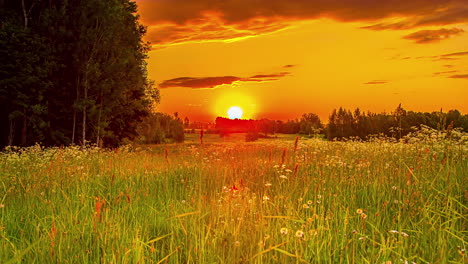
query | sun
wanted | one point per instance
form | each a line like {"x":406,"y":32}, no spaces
{"x":235,"y":112}
{"x":234,"y":104}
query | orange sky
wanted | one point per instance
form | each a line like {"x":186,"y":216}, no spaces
{"x":278,"y":59}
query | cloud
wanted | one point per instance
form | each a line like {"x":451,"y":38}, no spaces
{"x":447,"y":57}
{"x":463,"y":53}
{"x":429,"y":36}
{"x":459,"y":76}
{"x":203,"y":82}
{"x":213,"y":82}
{"x":377,"y":82}
{"x":176,"y":21}
{"x":289,"y":66}
{"x":444,"y":72}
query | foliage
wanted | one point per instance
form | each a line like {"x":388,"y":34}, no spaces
{"x":345,"y":124}
{"x":251,"y":136}
{"x":72,"y":71}
{"x":158,"y":128}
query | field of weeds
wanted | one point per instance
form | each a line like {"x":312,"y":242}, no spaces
{"x":310,"y":201}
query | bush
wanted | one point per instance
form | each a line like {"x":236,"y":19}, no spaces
{"x":252,"y":136}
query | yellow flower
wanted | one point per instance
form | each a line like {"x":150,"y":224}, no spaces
{"x":309,"y":202}
{"x":305,"y":206}
{"x":284,"y":231}
{"x":359,"y":211}
{"x":299,"y":233}
{"x":363,"y":216}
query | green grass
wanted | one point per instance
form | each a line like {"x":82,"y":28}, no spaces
{"x":235,"y":203}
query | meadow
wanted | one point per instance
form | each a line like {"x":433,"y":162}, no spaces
{"x":271,"y":201}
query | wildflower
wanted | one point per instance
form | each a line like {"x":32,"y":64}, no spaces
{"x":394,"y":188}
{"x":276,"y":166}
{"x":2,"y":205}
{"x":319,"y":196}
{"x":283,"y":177}
{"x":359,"y":211}
{"x":284,"y":231}
{"x":266,"y":198}
{"x":305,"y":206}
{"x":268,"y":184}
{"x":363,"y":216}
{"x":318,"y":201}
{"x":288,"y":170}
{"x":299,"y":233}
{"x":309,"y":202}
{"x":237,"y":243}
{"x":404,"y":234}
{"x":393,"y":231}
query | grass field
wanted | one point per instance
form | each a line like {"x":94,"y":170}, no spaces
{"x":272,"y":201}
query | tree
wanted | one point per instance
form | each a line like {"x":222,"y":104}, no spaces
{"x":310,"y":124}
{"x":72,"y":71}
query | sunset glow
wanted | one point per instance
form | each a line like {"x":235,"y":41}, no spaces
{"x":294,"y":57}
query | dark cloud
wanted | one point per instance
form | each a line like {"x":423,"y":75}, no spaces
{"x":446,"y":57}
{"x":463,"y":53}
{"x":459,"y":76}
{"x":377,"y":82}
{"x":268,"y":76}
{"x":289,"y":66}
{"x":203,"y":82}
{"x":429,"y":36}
{"x":212,"y":82}
{"x":444,"y":72}
{"x":175,"y":21}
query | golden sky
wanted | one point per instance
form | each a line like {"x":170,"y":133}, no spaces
{"x":278,"y":59}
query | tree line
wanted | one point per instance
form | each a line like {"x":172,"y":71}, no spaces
{"x":72,"y":72}
{"x":308,"y":124}
{"x":344,"y":123}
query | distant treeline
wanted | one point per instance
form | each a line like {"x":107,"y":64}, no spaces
{"x":308,"y":124}
{"x":72,"y":72}
{"x":343,"y":123}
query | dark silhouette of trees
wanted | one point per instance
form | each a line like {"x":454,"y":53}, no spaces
{"x":158,"y":128}
{"x":72,"y":72}
{"x":345,"y":124}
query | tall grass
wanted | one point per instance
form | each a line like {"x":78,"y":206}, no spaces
{"x":314,"y":202}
